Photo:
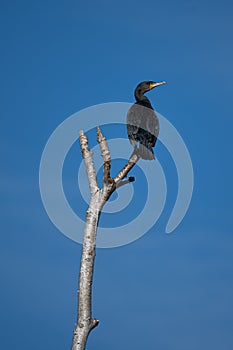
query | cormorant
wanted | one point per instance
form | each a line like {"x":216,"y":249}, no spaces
{"x":142,"y":122}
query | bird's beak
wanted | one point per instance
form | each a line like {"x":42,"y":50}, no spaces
{"x":153,"y":85}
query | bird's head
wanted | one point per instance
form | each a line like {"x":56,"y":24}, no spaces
{"x":146,"y":86}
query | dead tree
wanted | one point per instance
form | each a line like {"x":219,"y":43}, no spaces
{"x":99,"y":196}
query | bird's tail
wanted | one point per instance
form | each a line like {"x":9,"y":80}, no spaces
{"x":145,"y":152}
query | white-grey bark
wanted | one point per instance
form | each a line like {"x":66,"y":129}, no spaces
{"x":85,"y":322}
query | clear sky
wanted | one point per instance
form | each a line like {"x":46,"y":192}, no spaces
{"x":163,"y":291}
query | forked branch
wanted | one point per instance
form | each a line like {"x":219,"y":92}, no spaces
{"x":85,"y":322}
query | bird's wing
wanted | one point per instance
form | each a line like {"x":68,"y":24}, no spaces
{"x":133,"y":124}
{"x":152,"y":123}
{"x":142,"y":125}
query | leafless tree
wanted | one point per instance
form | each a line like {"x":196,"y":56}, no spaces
{"x":99,"y":196}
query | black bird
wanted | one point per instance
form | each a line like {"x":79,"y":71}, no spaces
{"x":142,"y":122}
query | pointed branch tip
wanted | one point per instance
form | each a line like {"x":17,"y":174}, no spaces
{"x":100,"y":136}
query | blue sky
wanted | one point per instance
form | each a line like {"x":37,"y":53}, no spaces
{"x":163,"y":291}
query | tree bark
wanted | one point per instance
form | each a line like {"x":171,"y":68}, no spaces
{"x":85,"y":322}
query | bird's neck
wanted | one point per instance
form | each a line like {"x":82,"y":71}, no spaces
{"x":143,"y":100}
{"x":139,"y":95}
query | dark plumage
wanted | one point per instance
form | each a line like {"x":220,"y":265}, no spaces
{"x":142,"y":122}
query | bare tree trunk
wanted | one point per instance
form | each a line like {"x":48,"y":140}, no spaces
{"x":85,"y":322}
